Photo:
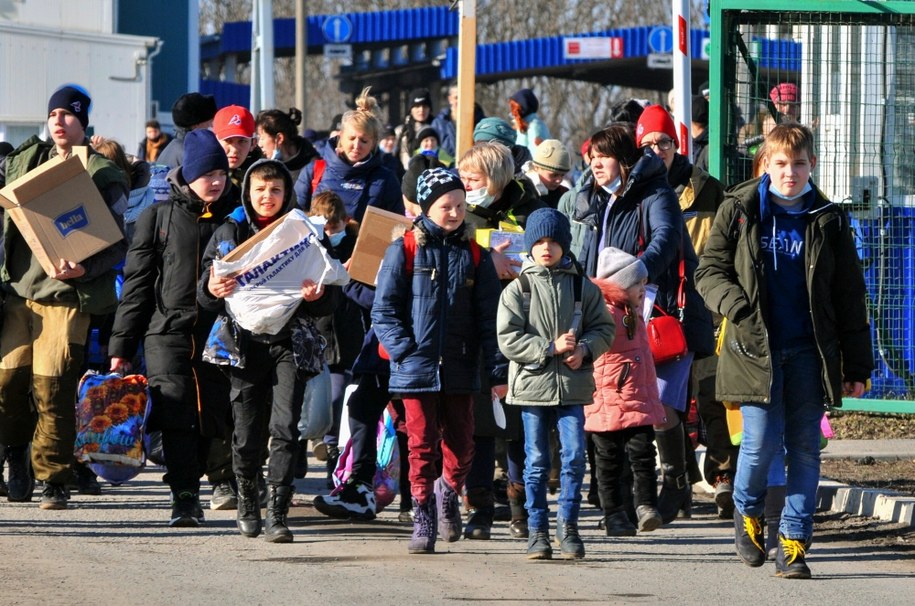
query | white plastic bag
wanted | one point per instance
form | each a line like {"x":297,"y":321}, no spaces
{"x":269,"y":274}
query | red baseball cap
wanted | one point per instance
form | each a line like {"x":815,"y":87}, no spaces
{"x":233,"y":121}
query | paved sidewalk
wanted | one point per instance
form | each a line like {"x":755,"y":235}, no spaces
{"x":878,"y":449}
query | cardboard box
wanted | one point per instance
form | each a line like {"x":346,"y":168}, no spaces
{"x":375,"y":234}
{"x":59,"y":211}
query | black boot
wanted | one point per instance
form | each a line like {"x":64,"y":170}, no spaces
{"x":20,"y":482}
{"x":275,"y":528}
{"x":516,"y":497}
{"x":248,"y":517}
{"x":775,"y":502}
{"x":676,"y":491}
{"x":481,"y":505}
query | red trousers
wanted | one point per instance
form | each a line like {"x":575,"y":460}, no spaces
{"x":439,"y":428}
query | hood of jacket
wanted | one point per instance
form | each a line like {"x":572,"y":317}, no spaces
{"x":245,"y":212}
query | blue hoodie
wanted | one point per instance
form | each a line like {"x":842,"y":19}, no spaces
{"x":782,"y":242}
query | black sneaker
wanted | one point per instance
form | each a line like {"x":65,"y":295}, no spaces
{"x":617,"y":524}
{"x":790,"y":559}
{"x":20,"y":483}
{"x":538,"y":545}
{"x":54,"y":496}
{"x":350,"y":501}
{"x":223,"y":497}
{"x":186,"y":510}
{"x":86,"y":480}
{"x":748,"y":539}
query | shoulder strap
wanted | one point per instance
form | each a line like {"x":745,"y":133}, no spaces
{"x":409,"y":250}
{"x":525,"y":282}
{"x":320,"y":165}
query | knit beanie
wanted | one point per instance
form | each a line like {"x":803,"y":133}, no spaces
{"x":427,"y":131}
{"x":73,"y":98}
{"x":526,"y":100}
{"x":233,"y":121}
{"x":193,"y":108}
{"x":416,"y":167}
{"x":786,"y":92}
{"x":202,"y":154}
{"x":621,"y":268}
{"x":655,"y":119}
{"x":553,"y":155}
{"x":433,"y":184}
{"x":420,"y":96}
{"x":548,"y":223}
{"x":494,"y":129}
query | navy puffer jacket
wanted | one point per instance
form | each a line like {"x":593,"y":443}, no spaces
{"x":367,"y":184}
{"x":435,"y":323}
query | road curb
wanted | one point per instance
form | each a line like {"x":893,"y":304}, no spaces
{"x":884,"y":505}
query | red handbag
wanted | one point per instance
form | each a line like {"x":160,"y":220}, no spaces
{"x":666,"y":337}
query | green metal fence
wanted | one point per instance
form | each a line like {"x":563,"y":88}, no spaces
{"x":847,"y":70}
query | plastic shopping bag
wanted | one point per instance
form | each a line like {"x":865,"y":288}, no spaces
{"x":111,"y":416}
{"x":269,"y":269}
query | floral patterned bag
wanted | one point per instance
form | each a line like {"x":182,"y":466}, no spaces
{"x":111,"y":416}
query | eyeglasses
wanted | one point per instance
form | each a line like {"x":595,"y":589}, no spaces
{"x":661,"y":144}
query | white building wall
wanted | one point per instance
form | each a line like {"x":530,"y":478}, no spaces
{"x":36,"y":59}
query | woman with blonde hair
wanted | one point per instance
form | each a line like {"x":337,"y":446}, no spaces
{"x":351,"y":165}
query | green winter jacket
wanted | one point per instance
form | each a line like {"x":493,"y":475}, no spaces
{"x":730,"y":278}
{"x":535,"y":376}
{"x":21,"y":273}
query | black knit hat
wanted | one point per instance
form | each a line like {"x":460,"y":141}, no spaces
{"x":548,"y":223}
{"x":433,"y":184}
{"x":193,"y":108}
{"x":202,"y":154}
{"x":416,"y":167}
{"x":427,"y":131}
{"x":75,"y":99}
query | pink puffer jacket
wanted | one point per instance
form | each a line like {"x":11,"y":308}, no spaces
{"x":627,"y":386}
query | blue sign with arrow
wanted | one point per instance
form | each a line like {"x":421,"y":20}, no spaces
{"x":337,"y":29}
{"x":661,"y":39}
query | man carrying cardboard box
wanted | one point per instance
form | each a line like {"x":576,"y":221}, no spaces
{"x":46,"y":314}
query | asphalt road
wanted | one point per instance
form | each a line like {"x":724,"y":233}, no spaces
{"x":117,"y":549}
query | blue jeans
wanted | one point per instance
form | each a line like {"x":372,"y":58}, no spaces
{"x":537,"y":421}
{"x":793,"y":414}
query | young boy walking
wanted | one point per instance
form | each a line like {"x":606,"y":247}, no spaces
{"x":267,"y":372}
{"x":552,"y":324}
{"x":435,"y":309}
{"x":780,"y":264}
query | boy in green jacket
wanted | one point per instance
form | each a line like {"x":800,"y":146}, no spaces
{"x":780,"y":264}
{"x":552,"y":324}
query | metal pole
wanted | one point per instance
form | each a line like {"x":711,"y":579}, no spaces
{"x":255,"y":96}
{"x":301,"y":54}
{"x":268,"y":94}
{"x":467,"y":59}
{"x":683,"y":87}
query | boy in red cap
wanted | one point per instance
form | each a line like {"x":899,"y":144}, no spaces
{"x":234,"y":127}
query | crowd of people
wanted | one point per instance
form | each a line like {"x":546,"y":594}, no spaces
{"x":511,"y":370}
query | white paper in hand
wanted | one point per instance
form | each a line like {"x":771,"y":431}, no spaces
{"x":498,"y":412}
{"x":269,"y":274}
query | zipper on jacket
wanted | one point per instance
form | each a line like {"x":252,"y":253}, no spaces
{"x":624,"y":375}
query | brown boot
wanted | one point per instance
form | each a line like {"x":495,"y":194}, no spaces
{"x":516,"y":498}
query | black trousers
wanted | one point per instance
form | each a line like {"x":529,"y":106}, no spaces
{"x":611,"y":450}
{"x":268,"y":391}
{"x":366,"y":405}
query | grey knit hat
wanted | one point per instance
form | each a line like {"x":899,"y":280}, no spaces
{"x":619,"y":267}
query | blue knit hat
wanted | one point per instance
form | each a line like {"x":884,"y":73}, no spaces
{"x":73,"y":98}
{"x":526,"y":100}
{"x":548,"y":223}
{"x":202,"y":154}
{"x":494,"y":129}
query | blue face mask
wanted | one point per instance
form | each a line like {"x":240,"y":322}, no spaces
{"x":611,"y":188}
{"x":276,"y":154}
{"x":336,"y":238}
{"x":774,"y":191}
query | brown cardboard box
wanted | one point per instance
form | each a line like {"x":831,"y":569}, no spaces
{"x":375,"y":233}
{"x":59,"y":211}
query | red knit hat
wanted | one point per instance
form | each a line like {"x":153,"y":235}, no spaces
{"x":786,"y":92}
{"x":655,"y":119}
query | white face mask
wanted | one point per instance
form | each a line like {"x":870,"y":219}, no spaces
{"x":276,"y":154}
{"x":480,"y":197}
{"x":611,"y":188}
{"x":774,"y":191}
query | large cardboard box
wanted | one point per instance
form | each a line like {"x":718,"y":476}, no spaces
{"x":59,"y":211}
{"x":375,"y":234}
